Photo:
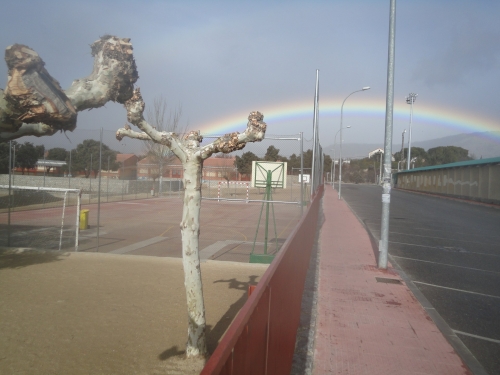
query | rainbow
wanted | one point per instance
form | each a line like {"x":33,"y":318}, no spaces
{"x":459,"y":121}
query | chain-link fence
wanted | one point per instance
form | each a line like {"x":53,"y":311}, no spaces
{"x":134,"y":204}
{"x":37,"y":217}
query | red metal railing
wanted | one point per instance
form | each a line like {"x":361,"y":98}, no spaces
{"x":261,"y":339}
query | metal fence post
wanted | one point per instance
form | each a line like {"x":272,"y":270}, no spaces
{"x":107,"y":184}
{"x":90,"y":178}
{"x":301,"y":173}
{"x":99,"y":191}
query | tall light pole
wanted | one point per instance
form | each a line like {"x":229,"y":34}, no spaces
{"x":341,"y":118}
{"x":383,"y":249}
{"x":410,"y":99}
{"x":334,"y":143}
{"x":402,"y":155}
{"x":332,"y":169}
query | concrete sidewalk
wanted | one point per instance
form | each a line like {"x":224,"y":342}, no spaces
{"x":368,"y":321}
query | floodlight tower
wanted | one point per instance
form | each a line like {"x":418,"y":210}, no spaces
{"x":402,"y":156}
{"x":410,"y":99}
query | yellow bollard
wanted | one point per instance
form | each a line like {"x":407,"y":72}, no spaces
{"x":84,"y":219}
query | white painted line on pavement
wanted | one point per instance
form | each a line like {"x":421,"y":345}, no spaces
{"x":208,"y":251}
{"x":457,"y":290}
{"x":444,"y":264}
{"x":442,"y":238}
{"x":476,"y":336}
{"x":138,"y":245}
{"x":141,"y":204}
{"x":214,"y":248}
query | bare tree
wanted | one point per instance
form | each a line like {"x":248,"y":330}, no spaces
{"x":191,"y":155}
{"x":33,"y":102}
{"x":227,"y":171}
{"x":163,"y":120}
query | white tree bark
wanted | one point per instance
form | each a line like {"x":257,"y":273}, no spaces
{"x":33,"y":102}
{"x":191,"y":154}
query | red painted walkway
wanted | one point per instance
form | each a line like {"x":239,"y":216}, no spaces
{"x":365,"y":326}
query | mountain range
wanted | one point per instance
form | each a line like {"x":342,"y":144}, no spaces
{"x":480,"y":145}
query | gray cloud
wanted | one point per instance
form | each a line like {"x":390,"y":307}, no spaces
{"x":472,"y":52}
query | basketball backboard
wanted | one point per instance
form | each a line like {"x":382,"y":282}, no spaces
{"x":259,"y":174}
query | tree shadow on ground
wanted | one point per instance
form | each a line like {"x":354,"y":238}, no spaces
{"x":171,"y":352}
{"x":214,"y":334}
{"x":19,"y":258}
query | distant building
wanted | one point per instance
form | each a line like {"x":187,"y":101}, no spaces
{"x":220,"y":169}
{"x":49,"y":167}
{"x":127,"y":169}
{"x":213,"y":169}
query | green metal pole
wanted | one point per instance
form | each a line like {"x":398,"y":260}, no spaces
{"x":268,"y":198}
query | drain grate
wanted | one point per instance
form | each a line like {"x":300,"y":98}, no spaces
{"x":387,"y":280}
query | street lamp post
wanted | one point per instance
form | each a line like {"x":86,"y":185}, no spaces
{"x":333,"y":167}
{"x":410,"y":99}
{"x":341,"y":118}
{"x":334,"y":143}
{"x":402,"y":156}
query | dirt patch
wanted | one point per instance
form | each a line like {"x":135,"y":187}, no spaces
{"x":87,"y":313}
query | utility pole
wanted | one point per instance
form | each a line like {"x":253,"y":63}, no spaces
{"x":389,"y":109}
{"x":315,"y":136}
{"x":403,"y":145}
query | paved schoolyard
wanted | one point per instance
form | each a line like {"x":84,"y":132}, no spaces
{"x":150,"y":226}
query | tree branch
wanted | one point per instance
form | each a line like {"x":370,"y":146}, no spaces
{"x":112,"y":78}
{"x":127,"y":132}
{"x":38,"y":130}
{"x":135,"y":115}
{"x":32,"y":96}
{"x":255,"y":131}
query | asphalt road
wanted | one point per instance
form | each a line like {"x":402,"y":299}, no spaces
{"x":451,"y":251}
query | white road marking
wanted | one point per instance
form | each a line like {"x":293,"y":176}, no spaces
{"x":476,"y":336}
{"x":442,"y":247}
{"x":434,"y":237}
{"x":457,"y":290}
{"x":443,"y":238}
{"x":444,"y":264}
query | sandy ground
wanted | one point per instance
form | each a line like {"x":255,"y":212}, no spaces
{"x":90,"y":313}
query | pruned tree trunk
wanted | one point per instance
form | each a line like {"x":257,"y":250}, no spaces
{"x":191,"y":155}
{"x":190,"y":232}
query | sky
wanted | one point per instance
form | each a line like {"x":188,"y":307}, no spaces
{"x":220,"y":60}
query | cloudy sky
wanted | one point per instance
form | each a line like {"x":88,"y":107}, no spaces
{"x":219,"y":60}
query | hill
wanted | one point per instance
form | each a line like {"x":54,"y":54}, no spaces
{"x":485,"y":145}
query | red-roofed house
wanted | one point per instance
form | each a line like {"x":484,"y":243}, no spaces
{"x":213,"y":169}
{"x":127,"y":169}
